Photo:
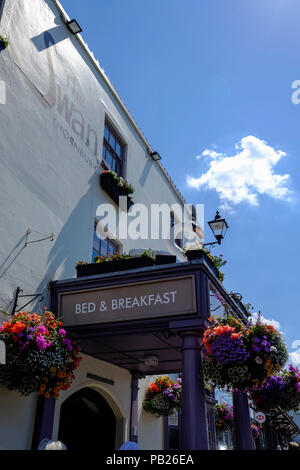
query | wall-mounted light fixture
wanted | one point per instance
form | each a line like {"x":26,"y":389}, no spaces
{"x":155,"y":156}
{"x":151,"y":361}
{"x":73,"y":26}
{"x":219,"y":227}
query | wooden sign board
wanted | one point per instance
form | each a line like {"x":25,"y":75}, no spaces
{"x":135,"y":301}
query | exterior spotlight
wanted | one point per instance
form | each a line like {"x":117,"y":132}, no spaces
{"x":155,"y":156}
{"x":73,"y":26}
{"x":219,"y":227}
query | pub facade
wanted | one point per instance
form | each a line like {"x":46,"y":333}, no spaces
{"x":62,"y":125}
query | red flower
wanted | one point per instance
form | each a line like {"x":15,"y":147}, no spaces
{"x":18,"y":327}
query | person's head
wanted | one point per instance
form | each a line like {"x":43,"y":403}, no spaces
{"x":47,"y":444}
{"x":130,"y":445}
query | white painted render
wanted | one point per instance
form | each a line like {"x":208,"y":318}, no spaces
{"x":51,"y":134}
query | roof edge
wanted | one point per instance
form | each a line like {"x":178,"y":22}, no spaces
{"x":120,"y":102}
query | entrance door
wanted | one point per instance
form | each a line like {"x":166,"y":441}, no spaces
{"x":87,"y":422}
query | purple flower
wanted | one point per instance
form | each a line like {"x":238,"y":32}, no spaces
{"x":229,"y":350}
{"x":41,"y":329}
{"x":62,"y":332}
{"x":298,"y":387}
{"x":67,"y":342}
{"x":41,"y":342}
{"x":29,"y":337}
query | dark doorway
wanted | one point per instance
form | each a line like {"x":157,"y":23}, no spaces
{"x":87,"y":422}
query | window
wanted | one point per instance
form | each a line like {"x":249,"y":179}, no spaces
{"x":103,"y":247}
{"x":113,"y":150}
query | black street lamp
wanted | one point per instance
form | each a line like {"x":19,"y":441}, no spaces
{"x":219,"y":227}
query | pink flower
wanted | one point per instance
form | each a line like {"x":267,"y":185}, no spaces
{"x":41,"y":342}
{"x":41,"y":329}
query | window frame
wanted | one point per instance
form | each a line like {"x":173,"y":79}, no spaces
{"x":111,"y":242}
{"x":107,"y":147}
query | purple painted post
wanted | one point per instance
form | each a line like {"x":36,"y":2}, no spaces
{"x":166,"y":432}
{"x":134,"y":408}
{"x":47,"y":419}
{"x":242,"y":423}
{"x":194,"y":421}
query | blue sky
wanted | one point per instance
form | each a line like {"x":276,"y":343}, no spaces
{"x":201,"y":76}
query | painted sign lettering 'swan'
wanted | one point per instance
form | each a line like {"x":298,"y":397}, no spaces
{"x":67,"y":109}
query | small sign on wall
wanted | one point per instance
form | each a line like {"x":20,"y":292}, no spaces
{"x":260,"y":417}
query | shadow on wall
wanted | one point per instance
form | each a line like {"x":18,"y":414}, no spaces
{"x":70,"y":245}
{"x":60,"y":33}
{"x":12,"y":256}
{"x":73,"y":241}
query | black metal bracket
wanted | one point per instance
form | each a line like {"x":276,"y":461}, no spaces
{"x":18,"y":296}
{"x":212,"y":243}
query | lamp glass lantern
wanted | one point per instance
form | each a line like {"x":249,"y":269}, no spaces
{"x":219,"y":227}
{"x":73,"y":26}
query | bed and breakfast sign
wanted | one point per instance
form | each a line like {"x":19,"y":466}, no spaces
{"x":131,"y":301}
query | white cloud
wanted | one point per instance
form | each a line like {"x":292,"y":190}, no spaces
{"x":266,"y":321}
{"x":295,"y":355}
{"x":295,"y":358}
{"x":245,"y":175}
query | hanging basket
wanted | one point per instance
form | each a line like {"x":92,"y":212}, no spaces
{"x":280,"y":390}
{"x":39,"y":355}
{"x":163,"y":397}
{"x":223,"y":417}
{"x":240,"y":357}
